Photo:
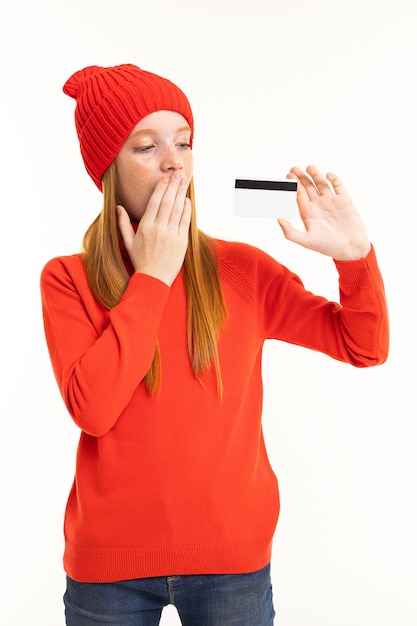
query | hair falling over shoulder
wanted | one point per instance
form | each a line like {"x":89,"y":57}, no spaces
{"x":108,"y":278}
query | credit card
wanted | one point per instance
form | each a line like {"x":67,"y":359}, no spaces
{"x":265,"y":198}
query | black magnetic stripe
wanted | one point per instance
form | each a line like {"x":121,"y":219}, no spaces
{"x":273,"y":185}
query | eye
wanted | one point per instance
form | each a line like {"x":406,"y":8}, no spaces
{"x":184,"y":145}
{"x":143,"y":148}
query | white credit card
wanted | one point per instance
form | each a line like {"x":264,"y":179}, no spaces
{"x":265,"y":198}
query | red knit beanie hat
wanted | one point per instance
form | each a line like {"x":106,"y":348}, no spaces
{"x":110,"y":102}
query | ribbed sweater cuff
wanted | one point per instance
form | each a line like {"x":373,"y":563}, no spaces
{"x":153,"y":292}
{"x":358,"y":273}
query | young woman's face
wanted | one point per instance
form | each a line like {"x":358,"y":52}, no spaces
{"x":158,"y":146}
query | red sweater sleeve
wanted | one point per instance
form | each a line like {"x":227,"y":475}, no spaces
{"x":99,"y":357}
{"x":355,"y":331}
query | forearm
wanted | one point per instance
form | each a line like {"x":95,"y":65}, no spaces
{"x":354,"y":331}
{"x":100,"y":357}
{"x":364,"y":316}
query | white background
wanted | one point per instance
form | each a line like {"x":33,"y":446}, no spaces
{"x":272,"y":84}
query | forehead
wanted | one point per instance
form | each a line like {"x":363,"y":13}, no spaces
{"x":161,"y":121}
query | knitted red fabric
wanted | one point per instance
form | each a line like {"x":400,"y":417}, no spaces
{"x":110,"y":102}
{"x":181,"y":481}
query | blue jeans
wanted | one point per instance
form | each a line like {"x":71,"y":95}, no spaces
{"x":209,"y":600}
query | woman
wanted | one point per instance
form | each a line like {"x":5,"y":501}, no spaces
{"x":155,"y":333}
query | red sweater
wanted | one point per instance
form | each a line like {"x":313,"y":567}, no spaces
{"x":180,"y":483}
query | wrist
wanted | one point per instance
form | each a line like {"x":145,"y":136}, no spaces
{"x":355,"y":253}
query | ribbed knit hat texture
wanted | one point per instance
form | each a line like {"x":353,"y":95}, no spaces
{"x":110,"y":102}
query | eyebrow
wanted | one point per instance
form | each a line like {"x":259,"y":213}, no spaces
{"x":153,"y":131}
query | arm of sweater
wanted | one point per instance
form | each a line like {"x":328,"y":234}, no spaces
{"x":355,"y":331}
{"x":98,"y":357}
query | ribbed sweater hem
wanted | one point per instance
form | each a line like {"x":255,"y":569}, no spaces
{"x":89,"y":564}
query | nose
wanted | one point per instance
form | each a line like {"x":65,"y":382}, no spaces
{"x":171,"y":160}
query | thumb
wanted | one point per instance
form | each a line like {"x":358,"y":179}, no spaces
{"x":293,"y":234}
{"x":286,"y":227}
{"x":125,"y":226}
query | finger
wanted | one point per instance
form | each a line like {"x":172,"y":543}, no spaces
{"x":155,"y":200}
{"x":172,"y":201}
{"x":184,"y":223}
{"x":319,"y":180}
{"x":177,"y":208}
{"x":302,"y":196}
{"x":166,"y":203}
{"x":337,"y":184}
{"x":306,"y":182}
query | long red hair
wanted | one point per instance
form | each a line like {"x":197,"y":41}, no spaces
{"x":108,"y":278}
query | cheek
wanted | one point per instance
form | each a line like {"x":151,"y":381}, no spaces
{"x":189,"y":165}
{"x":134,"y":180}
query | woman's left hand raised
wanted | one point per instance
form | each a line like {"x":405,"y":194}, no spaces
{"x":332,"y":224}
